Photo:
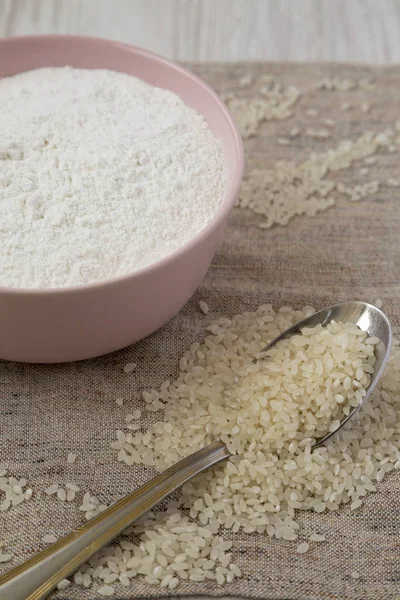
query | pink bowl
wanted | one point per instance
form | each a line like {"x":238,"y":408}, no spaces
{"x":60,"y":325}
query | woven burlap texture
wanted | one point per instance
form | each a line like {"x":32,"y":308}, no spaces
{"x":351,"y":251}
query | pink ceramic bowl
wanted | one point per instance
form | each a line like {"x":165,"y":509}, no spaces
{"x":59,"y":325}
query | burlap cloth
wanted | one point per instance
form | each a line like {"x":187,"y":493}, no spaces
{"x":351,"y":251}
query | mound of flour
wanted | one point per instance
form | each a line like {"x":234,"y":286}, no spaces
{"x":100,"y":175}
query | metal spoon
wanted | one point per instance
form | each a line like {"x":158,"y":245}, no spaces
{"x":38,"y":576}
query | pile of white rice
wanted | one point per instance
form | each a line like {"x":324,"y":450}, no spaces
{"x":170,"y":548}
{"x":269,"y":413}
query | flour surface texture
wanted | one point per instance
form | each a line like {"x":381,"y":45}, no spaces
{"x":100,"y":174}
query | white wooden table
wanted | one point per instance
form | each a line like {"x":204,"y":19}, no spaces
{"x":223,"y":30}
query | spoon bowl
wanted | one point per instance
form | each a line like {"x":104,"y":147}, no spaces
{"x":368,"y":318}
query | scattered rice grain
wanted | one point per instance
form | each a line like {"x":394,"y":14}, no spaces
{"x":204,"y":307}
{"x":302,"y":548}
{"x":49,"y":538}
{"x":64,"y":583}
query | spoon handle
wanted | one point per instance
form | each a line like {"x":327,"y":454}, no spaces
{"x":38,"y":576}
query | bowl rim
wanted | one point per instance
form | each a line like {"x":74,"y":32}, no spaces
{"x":226,"y":203}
